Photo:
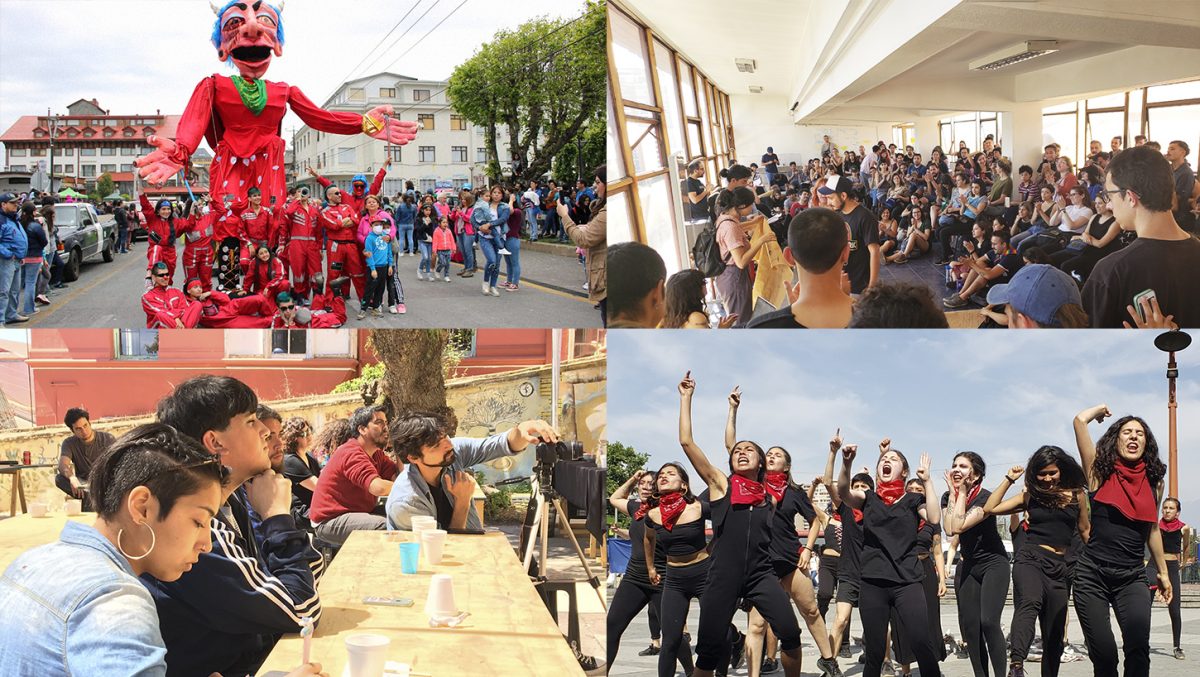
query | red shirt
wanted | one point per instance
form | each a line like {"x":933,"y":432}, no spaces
{"x":345,"y":482}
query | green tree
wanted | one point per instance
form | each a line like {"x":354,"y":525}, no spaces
{"x":545,"y":81}
{"x":623,"y":461}
{"x":105,"y":185}
{"x":567,"y":164}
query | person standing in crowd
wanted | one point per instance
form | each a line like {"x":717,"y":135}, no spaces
{"x":405,"y":216}
{"x":122,"y":218}
{"x":360,"y":472}
{"x":377,"y":250}
{"x":639,"y":282}
{"x":198,"y":245}
{"x":849,"y":577}
{"x":1054,"y":497}
{"x":427,"y":221}
{"x":593,"y":236}
{"x":531,"y":204}
{"x":31,"y":264}
{"x":1164,"y":259}
{"x":443,"y":248}
{"x":464,"y":231}
{"x":1124,"y":480}
{"x":862,"y":265}
{"x":933,"y":583}
{"x":770,"y":165}
{"x":1177,"y":542}
{"x":510,"y":235}
{"x":1185,"y":184}
{"x":162,"y":228}
{"x":13,"y":246}
{"x":695,"y":192}
{"x":437,"y":481}
{"x":818,"y":248}
{"x":636,"y":592}
{"x":340,"y":222}
{"x":300,"y":237}
{"x":736,"y":219}
{"x":231,"y":608}
{"x":981,"y":579}
{"x":489,"y":216}
{"x":79,"y":453}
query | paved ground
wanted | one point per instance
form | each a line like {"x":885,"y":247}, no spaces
{"x":551,"y":295}
{"x":637,"y":637}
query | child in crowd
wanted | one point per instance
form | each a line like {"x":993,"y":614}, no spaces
{"x":377,"y":250}
{"x":443,"y":248}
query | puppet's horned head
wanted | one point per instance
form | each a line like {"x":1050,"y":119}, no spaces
{"x":247,"y":33}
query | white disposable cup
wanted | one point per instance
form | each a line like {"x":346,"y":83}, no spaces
{"x":367,"y":655}
{"x":38,"y":509}
{"x":440,"y":602}
{"x":1007,"y":201}
{"x":73,"y":506}
{"x":433,"y":542}
{"x":422,"y":523}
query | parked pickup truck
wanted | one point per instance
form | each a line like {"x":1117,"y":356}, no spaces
{"x":85,"y":236}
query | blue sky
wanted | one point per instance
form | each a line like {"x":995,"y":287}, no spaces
{"x":1000,"y":393}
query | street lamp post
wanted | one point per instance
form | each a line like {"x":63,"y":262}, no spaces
{"x":1172,"y":342}
{"x":52,"y":122}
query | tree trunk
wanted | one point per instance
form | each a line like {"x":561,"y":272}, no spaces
{"x":413,"y":378}
{"x":7,"y":418}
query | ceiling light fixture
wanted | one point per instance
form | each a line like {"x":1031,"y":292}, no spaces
{"x":755,"y":89}
{"x":1014,"y":54}
{"x":745,"y":65}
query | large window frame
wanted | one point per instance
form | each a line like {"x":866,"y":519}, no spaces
{"x":981,"y":123}
{"x":693,"y":108}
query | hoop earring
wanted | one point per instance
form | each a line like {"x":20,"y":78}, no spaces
{"x":143,"y":555}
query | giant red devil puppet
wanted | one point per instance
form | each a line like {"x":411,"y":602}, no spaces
{"x":240,"y":115}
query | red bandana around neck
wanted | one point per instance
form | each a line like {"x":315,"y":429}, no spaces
{"x":641,"y":511}
{"x":745,"y":491}
{"x":970,"y":494}
{"x":890,"y":492}
{"x":1173,"y":525}
{"x":777,"y":483}
{"x":1128,"y":490}
{"x":671,"y":506}
{"x":920,"y":525}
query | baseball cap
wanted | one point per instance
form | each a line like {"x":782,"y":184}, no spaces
{"x":1037,"y":291}
{"x":836,"y":184}
{"x":8,"y":197}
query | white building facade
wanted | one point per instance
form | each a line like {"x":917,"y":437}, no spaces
{"x":447,"y":153}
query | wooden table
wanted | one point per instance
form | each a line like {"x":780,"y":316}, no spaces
{"x":18,"y":489}
{"x":23,"y":532}
{"x":509,"y":631}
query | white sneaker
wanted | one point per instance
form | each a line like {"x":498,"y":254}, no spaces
{"x":585,"y":286}
{"x":446,"y":278}
{"x":392,"y":310}
{"x":503,"y":252}
{"x":493,"y":291}
{"x":486,"y":287}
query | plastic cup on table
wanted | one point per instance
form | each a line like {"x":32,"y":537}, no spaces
{"x":421,"y":523}
{"x":73,"y":506}
{"x":367,"y":655}
{"x":433,"y":542}
{"x":440,"y":602}
{"x":409,"y":553}
{"x":38,"y":509}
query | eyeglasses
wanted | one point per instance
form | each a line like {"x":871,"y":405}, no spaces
{"x":160,"y":274}
{"x":286,"y":308}
{"x":1107,"y":194}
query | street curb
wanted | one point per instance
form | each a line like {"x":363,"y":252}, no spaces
{"x":549,"y":248}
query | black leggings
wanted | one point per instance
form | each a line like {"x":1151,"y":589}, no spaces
{"x":933,"y":612}
{"x":1099,"y":588}
{"x":960,"y":226}
{"x":1040,"y":576}
{"x":981,"y":592}
{"x":719,"y":603}
{"x":1173,"y":608}
{"x":876,"y":603}
{"x":680,"y":586}
{"x":631,"y":597}
{"x":826,"y":582}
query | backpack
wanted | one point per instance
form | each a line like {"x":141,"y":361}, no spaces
{"x":706,"y":253}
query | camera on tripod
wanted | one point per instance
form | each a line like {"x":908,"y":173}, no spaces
{"x":549,"y":454}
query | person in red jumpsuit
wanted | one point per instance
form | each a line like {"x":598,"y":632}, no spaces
{"x":357,"y":196}
{"x":220,"y":311}
{"x":198,"y":246}
{"x":166,"y":306}
{"x":344,"y":258}
{"x":162,"y":228}
{"x":258,"y":224}
{"x":265,"y":275}
{"x":324,"y":314}
{"x":300,"y":236}
{"x":240,"y":116}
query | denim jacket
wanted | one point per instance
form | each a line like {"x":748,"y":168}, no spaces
{"x":74,"y":607}
{"x":13,"y":242}
{"x":482,"y":216}
{"x":410,"y":493}
{"x":406,"y":214}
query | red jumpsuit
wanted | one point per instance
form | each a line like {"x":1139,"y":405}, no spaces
{"x":256,"y":226}
{"x":219,"y":311}
{"x":267,"y":278}
{"x":162,"y":234}
{"x":197,"y":250}
{"x":345,"y":257}
{"x":248,"y":151}
{"x":326,"y":314}
{"x":164,"y":305}
{"x":356,"y":198}
{"x":301,"y":237}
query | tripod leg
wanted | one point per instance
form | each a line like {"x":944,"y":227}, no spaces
{"x":529,"y":530}
{"x":566,"y":524}
{"x":544,"y":516}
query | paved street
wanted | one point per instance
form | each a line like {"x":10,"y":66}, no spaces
{"x":551,"y":295}
{"x":637,"y":637}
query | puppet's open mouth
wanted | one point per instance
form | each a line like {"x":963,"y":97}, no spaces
{"x":254,"y":54}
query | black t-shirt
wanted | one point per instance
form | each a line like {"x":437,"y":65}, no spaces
{"x":785,"y":543}
{"x":776,"y":319}
{"x":852,"y":543}
{"x":833,"y":536}
{"x":1172,"y":541}
{"x":445,"y":511}
{"x":925,"y":538}
{"x":1116,"y":540}
{"x":1011,"y":263}
{"x":1018,"y":537}
{"x":83,"y":455}
{"x":297,"y":470}
{"x":1052,"y":526}
{"x":770,"y":163}
{"x":741,"y":538}
{"x":980,"y":545}
{"x":864,"y":231}
{"x":889,"y":551}
{"x":699,"y":210}
{"x":636,"y":571}
{"x":1170,"y":267}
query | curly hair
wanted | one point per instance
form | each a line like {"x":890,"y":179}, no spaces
{"x":1107,"y":455}
{"x":335,"y":433}
{"x":294,"y":429}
